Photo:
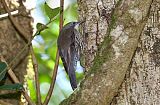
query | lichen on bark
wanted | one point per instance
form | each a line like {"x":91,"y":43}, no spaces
{"x":141,"y":84}
{"x":100,"y":86}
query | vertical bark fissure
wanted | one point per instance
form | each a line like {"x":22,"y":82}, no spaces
{"x":142,"y":83}
{"x":110,"y":65}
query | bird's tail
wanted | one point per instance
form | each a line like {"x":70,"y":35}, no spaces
{"x":72,"y":76}
{"x":68,"y":63}
{"x":71,"y":71}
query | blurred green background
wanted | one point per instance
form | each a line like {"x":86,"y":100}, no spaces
{"x":45,"y":46}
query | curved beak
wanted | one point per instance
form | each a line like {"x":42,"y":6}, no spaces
{"x":80,"y":22}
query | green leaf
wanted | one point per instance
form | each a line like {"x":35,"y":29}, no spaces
{"x":3,"y":70}
{"x":32,"y":89}
{"x":40,"y":27}
{"x":51,"y":13}
{"x":16,"y":87}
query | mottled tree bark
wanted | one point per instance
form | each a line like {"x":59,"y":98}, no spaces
{"x":142,"y":82}
{"x":11,"y":44}
{"x":110,"y":53}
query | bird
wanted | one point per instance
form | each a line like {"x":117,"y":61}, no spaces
{"x":69,"y":45}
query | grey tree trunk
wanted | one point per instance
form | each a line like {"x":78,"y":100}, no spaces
{"x":10,"y":45}
{"x":122,"y":58}
{"x":142,"y":82}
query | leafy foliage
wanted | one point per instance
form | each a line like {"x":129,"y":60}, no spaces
{"x":40,"y":27}
{"x":3,"y":70}
{"x":17,"y":87}
{"x":51,"y":13}
{"x":45,"y":47}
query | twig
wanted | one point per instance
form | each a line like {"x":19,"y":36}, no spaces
{"x":26,"y":46}
{"x":23,"y":34}
{"x":13,"y":13}
{"x":57,"y":59}
{"x":6,"y":14}
{"x":13,"y":76}
{"x":16,"y":56}
{"x":53,"y":80}
{"x":15,"y":80}
{"x":35,"y":66}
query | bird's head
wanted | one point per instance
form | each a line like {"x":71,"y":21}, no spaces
{"x":72,"y":24}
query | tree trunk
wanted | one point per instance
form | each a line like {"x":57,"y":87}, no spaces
{"x":11,"y":44}
{"x":142,"y":82}
{"x":122,"y":57}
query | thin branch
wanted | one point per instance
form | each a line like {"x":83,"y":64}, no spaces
{"x":23,"y":34}
{"x":35,"y":66}
{"x":26,"y":46}
{"x":13,"y":76}
{"x":57,"y":59}
{"x":61,"y":14}
{"x":8,"y":66}
{"x":6,"y":14}
{"x":53,"y":80}
{"x":15,"y":80}
{"x":14,"y":14}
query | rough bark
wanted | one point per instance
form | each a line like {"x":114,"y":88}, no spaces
{"x":96,"y":15}
{"x":107,"y":67}
{"x":10,"y":45}
{"x":142,"y":82}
